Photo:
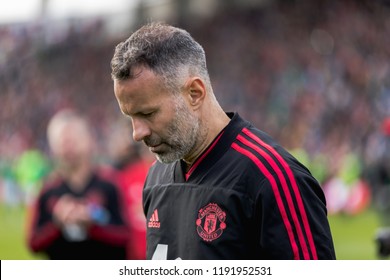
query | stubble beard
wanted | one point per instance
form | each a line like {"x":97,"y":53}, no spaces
{"x":182,"y":136}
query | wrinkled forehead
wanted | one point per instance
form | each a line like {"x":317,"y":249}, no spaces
{"x":143,"y":88}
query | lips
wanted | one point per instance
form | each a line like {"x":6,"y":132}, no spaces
{"x":154,"y":149}
{"x":153,"y":144}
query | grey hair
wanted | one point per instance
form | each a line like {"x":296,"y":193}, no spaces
{"x":168,"y":51}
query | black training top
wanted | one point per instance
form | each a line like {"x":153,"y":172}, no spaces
{"x":106,"y":238}
{"x":245,"y":197}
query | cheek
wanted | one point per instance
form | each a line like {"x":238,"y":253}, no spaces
{"x":167,"y":126}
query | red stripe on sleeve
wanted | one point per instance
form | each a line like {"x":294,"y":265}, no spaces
{"x":297,"y":194}
{"x":286,"y":191}
{"x":278,"y":198}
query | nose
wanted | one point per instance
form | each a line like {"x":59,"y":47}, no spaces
{"x":140,"y":129}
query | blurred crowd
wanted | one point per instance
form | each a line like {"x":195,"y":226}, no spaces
{"x":315,"y":76}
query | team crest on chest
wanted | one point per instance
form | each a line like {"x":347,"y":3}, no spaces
{"x":211,"y":222}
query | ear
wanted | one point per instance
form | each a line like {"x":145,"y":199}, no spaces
{"x":195,"y":92}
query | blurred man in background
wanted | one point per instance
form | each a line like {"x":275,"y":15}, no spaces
{"x":78,"y":214}
{"x":221,"y":188}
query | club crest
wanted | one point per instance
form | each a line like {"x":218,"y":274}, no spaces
{"x":211,"y":222}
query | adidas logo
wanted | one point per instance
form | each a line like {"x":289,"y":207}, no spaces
{"x":154,"y":221}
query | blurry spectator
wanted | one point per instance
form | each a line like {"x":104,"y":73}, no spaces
{"x":377,"y":173}
{"x":30,"y":170}
{"x":78,"y":214}
{"x":10,"y":194}
{"x":131,"y":162}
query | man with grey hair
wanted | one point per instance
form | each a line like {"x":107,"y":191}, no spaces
{"x":78,"y":213}
{"x":221,"y":188}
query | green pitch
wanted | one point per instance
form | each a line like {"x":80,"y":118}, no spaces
{"x":353,"y":235}
{"x":13,"y":234}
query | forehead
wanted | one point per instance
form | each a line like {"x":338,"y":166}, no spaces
{"x":144,"y":90}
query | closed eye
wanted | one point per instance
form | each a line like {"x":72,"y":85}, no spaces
{"x":144,"y":114}
{"x":147,"y":115}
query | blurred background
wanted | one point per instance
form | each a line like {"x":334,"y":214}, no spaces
{"x":313,"y":74}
